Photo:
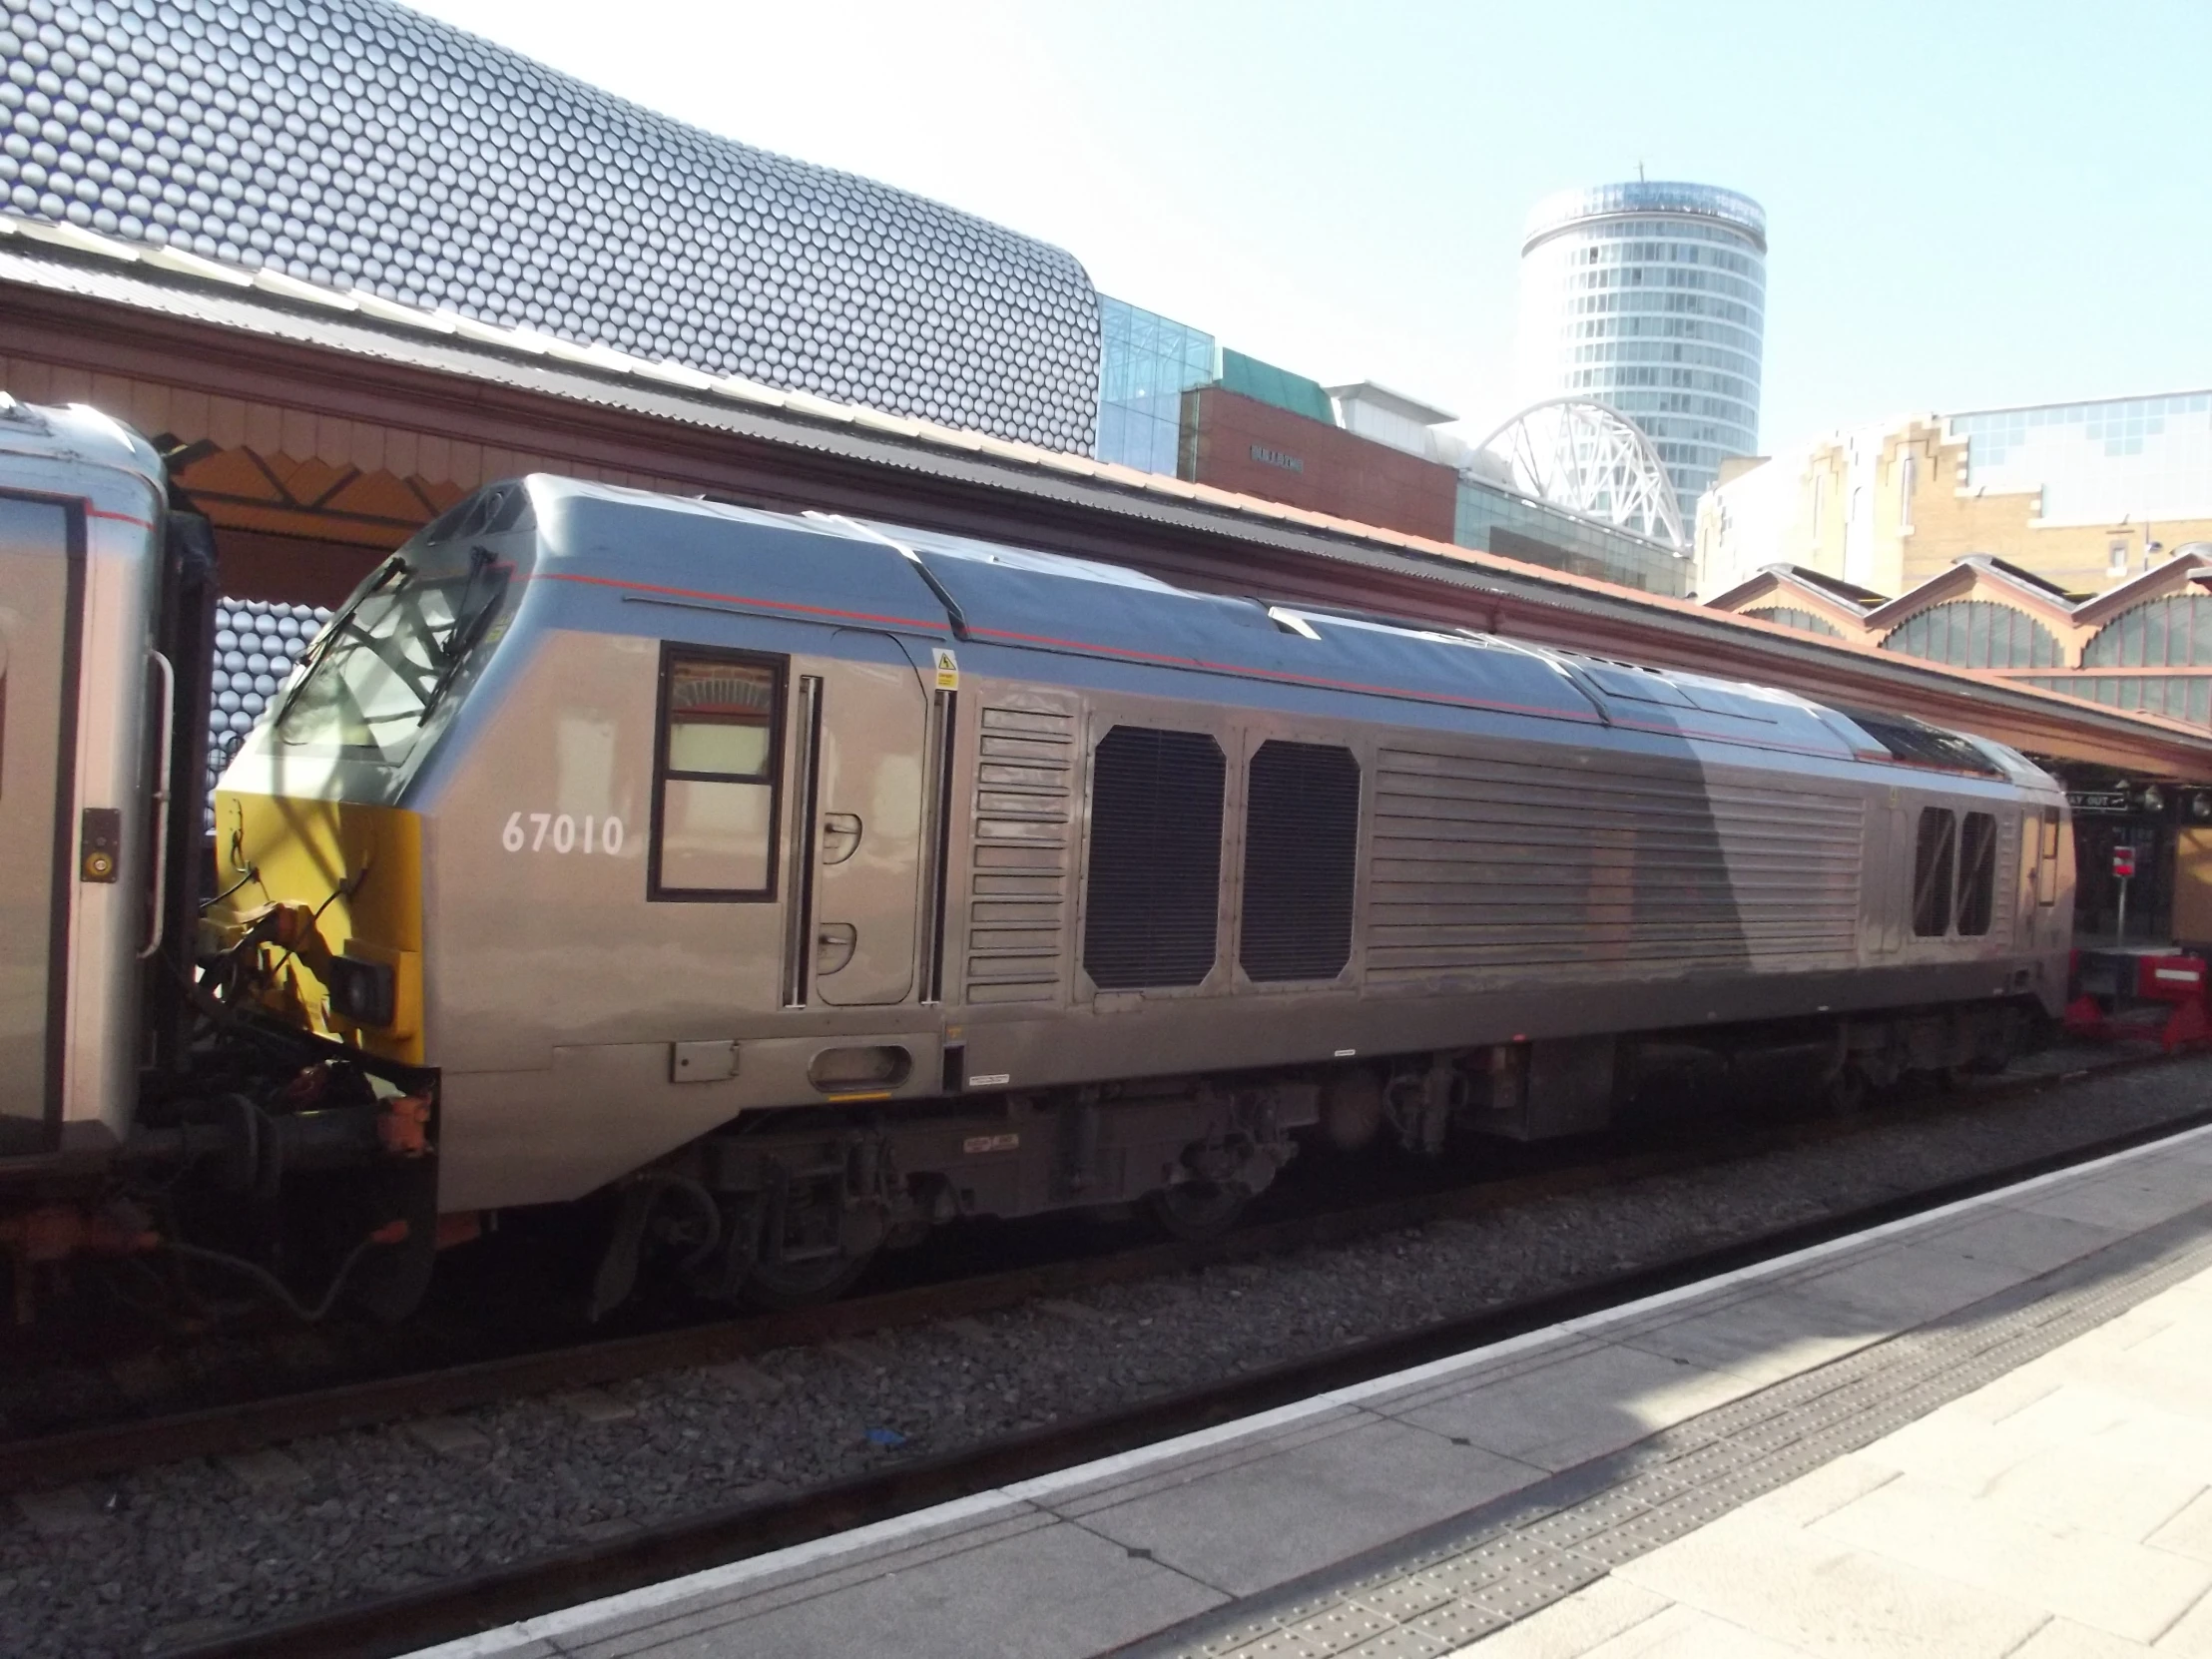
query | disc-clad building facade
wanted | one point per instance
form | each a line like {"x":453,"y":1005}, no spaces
{"x":356,"y":144}
{"x":1651,"y":297}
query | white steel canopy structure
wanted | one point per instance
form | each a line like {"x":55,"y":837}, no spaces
{"x":1576,"y":453}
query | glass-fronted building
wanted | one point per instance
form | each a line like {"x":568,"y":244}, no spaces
{"x":1145,"y":363}
{"x":1651,"y":297}
{"x":1150,"y":366}
{"x":2124,"y":458}
{"x":1515,"y":526}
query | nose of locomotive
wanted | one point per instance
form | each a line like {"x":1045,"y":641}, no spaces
{"x":327,"y":906}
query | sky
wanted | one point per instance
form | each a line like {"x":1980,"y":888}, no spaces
{"x":1970,"y":205}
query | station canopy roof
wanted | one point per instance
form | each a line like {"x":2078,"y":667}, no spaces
{"x":97,"y":305}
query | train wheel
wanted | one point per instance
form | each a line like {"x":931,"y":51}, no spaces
{"x":1197,"y":1210}
{"x":1844,"y":1093}
{"x":774,"y":1286}
{"x":806,"y":1246}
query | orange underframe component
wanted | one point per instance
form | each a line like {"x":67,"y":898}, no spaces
{"x":404,"y":1126}
{"x":292,"y":929}
{"x":56,"y":1231}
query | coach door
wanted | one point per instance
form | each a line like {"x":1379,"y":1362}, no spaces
{"x":865,"y":760}
{"x":40,"y":568}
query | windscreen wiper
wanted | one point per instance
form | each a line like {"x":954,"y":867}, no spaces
{"x":480,"y":558}
{"x":460,"y":640}
{"x":392,"y":567}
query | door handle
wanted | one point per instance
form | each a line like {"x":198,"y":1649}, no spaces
{"x":162,"y":802}
{"x":840,"y":836}
{"x":835,"y":943}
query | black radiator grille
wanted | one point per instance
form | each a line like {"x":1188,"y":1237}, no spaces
{"x":1934,"y":860}
{"x":1977,"y":873}
{"x":1152,"y":899}
{"x":1301,"y":843}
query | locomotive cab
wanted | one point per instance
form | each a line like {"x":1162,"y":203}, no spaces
{"x":573,"y":833}
{"x":313,"y":811}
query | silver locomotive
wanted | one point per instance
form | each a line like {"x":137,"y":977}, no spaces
{"x":785,"y":885}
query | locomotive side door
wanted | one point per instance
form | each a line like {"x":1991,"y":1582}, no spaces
{"x":41,"y":573}
{"x":866,"y":783}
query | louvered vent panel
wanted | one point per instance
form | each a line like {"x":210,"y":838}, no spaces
{"x":1152,"y":901}
{"x":2008,"y":883}
{"x":1017,"y":888}
{"x":1301,"y":846}
{"x":1510,"y":870}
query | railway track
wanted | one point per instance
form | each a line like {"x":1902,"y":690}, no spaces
{"x":252,"y":1425}
{"x":395,"y":1624}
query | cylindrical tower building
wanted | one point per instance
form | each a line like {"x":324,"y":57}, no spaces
{"x":1651,"y":297}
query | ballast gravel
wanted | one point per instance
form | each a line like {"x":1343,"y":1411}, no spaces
{"x":186,"y":1552}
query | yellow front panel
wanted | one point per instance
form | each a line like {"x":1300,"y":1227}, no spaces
{"x":360,"y":866}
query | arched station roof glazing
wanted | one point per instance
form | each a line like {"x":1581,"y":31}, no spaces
{"x":1790,"y":616}
{"x":1977,"y":633}
{"x":2173,"y":632}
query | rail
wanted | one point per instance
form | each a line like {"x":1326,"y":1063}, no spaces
{"x":249,"y":1425}
{"x":395,"y":1624}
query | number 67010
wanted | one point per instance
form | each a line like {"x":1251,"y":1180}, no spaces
{"x":537,"y":832}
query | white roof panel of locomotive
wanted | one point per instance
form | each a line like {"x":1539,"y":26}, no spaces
{"x":1463,"y":637}
{"x":706,"y":506}
{"x":1021,"y":558}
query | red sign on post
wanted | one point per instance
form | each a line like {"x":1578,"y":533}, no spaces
{"x":2123,"y":862}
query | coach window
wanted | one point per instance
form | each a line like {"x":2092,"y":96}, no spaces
{"x":714,"y":816}
{"x":2046,"y":864}
{"x":1934,"y":859}
{"x":1152,"y":896}
{"x":1978,"y":874}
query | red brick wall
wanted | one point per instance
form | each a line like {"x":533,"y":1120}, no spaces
{"x":1238,"y":443}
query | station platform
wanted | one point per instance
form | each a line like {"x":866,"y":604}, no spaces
{"x":1986,"y":1430}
